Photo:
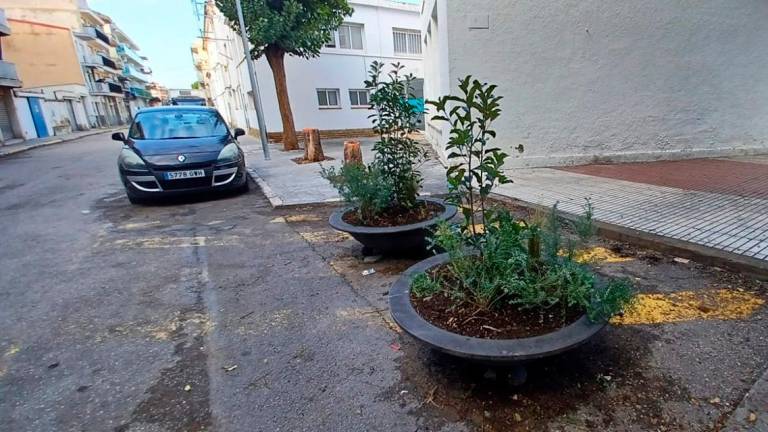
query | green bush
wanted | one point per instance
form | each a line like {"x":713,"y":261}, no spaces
{"x":366,"y":189}
{"x":505,"y":269}
{"x":529,"y":265}
{"x":397,"y":155}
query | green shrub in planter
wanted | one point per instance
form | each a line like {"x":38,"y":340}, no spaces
{"x":526,"y":264}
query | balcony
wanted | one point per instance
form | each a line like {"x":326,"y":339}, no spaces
{"x":127,"y":53}
{"x":8,"y":75}
{"x":133,"y":73}
{"x":92,"y":33}
{"x":101,"y":61}
{"x":140,"y":92}
{"x":105,"y":88}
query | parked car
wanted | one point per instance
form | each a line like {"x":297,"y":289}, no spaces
{"x":177,"y":150}
{"x":188,"y":100}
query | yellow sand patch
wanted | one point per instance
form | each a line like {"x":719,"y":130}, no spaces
{"x":324,"y":236}
{"x":599,"y":255}
{"x":174,"y":242}
{"x":302,"y":218}
{"x":691,"y":305}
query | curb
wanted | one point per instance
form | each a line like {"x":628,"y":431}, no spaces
{"x":15,"y":151}
{"x":701,"y":254}
{"x":274,"y":200}
{"x":751,"y":415}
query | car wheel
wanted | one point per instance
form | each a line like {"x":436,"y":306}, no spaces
{"x":245,"y":187}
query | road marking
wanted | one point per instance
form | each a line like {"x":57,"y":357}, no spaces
{"x":177,"y":242}
{"x":720,"y":304}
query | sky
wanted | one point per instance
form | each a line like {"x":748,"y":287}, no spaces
{"x":163,"y":29}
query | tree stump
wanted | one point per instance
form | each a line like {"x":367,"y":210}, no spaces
{"x":313,"y":148}
{"x":352,"y":152}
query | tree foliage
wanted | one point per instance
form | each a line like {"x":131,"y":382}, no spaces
{"x":297,"y":27}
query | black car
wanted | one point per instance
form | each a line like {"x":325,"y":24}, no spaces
{"x":177,"y":150}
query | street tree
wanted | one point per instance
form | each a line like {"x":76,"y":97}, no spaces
{"x":279,"y":27}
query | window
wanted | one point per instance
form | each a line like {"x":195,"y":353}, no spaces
{"x":347,"y":36}
{"x":358,"y":98}
{"x":177,"y":124}
{"x":328,"y":98}
{"x":407,"y":42}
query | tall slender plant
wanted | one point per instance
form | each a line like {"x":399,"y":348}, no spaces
{"x":475,"y":164}
{"x":394,"y":120}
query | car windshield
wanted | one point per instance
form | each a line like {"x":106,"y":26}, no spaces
{"x":177,"y":124}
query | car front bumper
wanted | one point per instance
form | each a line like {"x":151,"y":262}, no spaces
{"x":152,"y":183}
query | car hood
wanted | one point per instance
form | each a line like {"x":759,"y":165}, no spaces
{"x":184,"y":146}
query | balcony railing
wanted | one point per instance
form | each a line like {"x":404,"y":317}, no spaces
{"x":131,"y":72}
{"x":8,"y":75}
{"x":126,"y":52}
{"x":108,"y":62}
{"x":93,"y":32}
{"x":105,"y":87}
{"x":140,"y":92}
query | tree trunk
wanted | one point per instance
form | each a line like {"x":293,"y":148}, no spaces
{"x":275,"y":57}
{"x":352,"y":152}
{"x":313,"y":149}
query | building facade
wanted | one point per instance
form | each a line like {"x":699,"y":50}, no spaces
{"x":79,"y":69}
{"x":620,"y":81}
{"x":10,"y":126}
{"x":326,"y":92}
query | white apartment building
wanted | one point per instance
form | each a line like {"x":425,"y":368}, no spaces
{"x":613,"y":81}
{"x":326,"y":92}
{"x":136,"y":73}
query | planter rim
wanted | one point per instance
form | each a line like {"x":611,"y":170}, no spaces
{"x":336,"y":220}
{"x":479,"y":349}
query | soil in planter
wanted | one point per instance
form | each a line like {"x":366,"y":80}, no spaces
{"x":502,"y":321}
{"x":397,"y":216}
{"x":505,"y":322}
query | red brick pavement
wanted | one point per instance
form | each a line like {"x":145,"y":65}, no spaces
{"x":707,"y":175}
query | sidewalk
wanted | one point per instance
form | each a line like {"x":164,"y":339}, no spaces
{"x":717,"y":203}
{"x":287,"y":183}
{"x":23,"y":146}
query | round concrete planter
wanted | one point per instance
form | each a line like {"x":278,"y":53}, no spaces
{"x":404,"y":238}
{"x":491,"y":351}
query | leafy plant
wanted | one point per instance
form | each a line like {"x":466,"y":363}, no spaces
{"x":507,"y":270}
{"x":279,"y":27}
{"x":507,"y":261}
{"x":394,"y":119}
{"x":367,"y":189}
{"x":393,"y":180}
{"x":475,"y":164}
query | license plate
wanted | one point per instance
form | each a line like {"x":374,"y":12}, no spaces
{"x":176,"y":175}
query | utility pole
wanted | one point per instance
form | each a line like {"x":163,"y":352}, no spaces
{"x":254,"y":84}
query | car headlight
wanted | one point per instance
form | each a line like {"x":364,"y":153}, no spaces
{"x":230,"y":153}
{"x":130,"y":160}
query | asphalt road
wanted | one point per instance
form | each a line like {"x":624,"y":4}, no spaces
{"x":205,"y":315}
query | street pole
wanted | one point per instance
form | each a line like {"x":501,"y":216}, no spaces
{"x":254,"y":84}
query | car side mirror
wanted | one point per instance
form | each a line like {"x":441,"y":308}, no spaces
{"x":118,"y":136}
{"x":239,"y":132}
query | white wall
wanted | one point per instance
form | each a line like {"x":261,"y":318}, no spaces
{"x":622,"y":80}
{"x":334,"y":68}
